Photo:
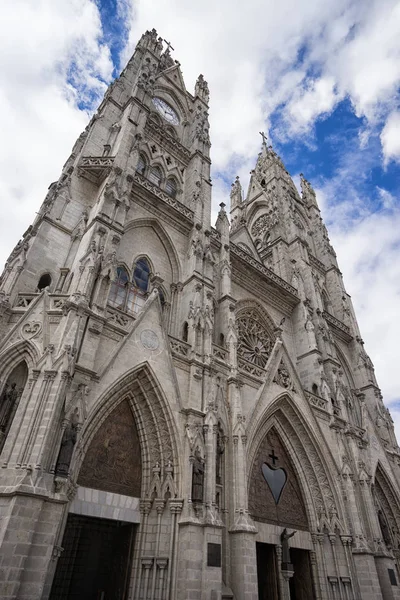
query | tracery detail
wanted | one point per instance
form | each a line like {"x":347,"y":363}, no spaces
{"x":254,"y":341}
{"x":264,"y":223}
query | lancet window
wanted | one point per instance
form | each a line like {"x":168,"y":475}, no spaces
{"x":171,"y":187}
{"x":130,"y":295}
{"x":155,"y":176}
{"x":141,"y":165}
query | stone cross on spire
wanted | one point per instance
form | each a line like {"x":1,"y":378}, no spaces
{"x":169,"y":46}
{"x":264,"y":139}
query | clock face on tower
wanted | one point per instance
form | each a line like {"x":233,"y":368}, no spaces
{"x":166,"y":111}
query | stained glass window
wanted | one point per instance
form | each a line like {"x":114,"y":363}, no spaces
{"x":170,"y":188}
{"x":155,"y":175}
{"x":141,"y":165}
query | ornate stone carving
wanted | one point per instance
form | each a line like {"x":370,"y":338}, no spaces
{"x":149,"y":339}
{"x":264,"y":223}
{"x":31,"y":329}
{"x":283,"y":378}
{"x":147,"y":76}
{"x":201,"y":89}
{"x":113,"y":459}
{"x":254,"y":341}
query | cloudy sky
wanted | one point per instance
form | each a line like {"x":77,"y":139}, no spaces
{"x":321,"y":77}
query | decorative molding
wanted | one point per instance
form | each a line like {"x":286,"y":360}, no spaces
{"x":339,"y":327}
{"x":168,"y":141}
{"x":171,"y":202}
{"x":263,"y":270}
{"x":95,"y":168}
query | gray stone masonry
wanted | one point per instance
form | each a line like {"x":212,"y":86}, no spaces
{"x":214,"y":337}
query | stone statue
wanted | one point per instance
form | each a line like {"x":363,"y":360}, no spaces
{"x":285,"y":536}
{"x":385,"y":530}
{"x":219,"y":453}
{"x":198,"y":477}
{"x":67,"y":447}
{"x":7,"y":400}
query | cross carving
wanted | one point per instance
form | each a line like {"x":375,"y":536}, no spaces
{"x":169,"y":46}
{"x":264,"y":137}
{"x":273,"y":457}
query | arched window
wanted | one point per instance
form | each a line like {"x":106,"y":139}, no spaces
{"x":155,"y":175}
{"x":119,"y":289}
{"x":130,"y":295}
{"x":44,"y":282}
{"x":171,"y":187}
{"x":171,"y":131}
{"x":326,"y":302}
{"x":185,"y":331}
{"x":141,"y":165}
{"x":140,"y":284}
{"x":9,"y":398}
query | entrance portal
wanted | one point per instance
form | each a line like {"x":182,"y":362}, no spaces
{"x":96,"y":560}
{"x":301,"y":587}
{"x":267,"y":572}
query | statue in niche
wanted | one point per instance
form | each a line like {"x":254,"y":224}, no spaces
{"x":7,"y":401}
{"x":218,"y":456}
{"x":67,"y":447}
{"x":385,"y":530}
{"x":285,"y":536}
{"x":198,"y":477}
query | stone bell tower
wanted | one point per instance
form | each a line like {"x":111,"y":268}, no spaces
{"x":124,"y":232}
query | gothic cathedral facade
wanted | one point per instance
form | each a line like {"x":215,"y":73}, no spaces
{"x":186,"y":411}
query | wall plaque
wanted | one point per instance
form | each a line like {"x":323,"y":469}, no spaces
{"x":149,"y":339}
{"x":392,"y":577}
{"x":213,"y":555}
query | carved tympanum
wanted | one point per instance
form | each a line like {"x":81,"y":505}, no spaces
{"x":113,"y":460}
{"x":275,"y":495}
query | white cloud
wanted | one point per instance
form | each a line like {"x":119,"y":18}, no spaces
{"x":317,"y":98}
{"x":43,"y":45}
{"x":390,"y":138}
{"x":368,"y":255}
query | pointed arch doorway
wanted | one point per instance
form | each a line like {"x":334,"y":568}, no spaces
{"x":100,"y":533}
{"x":277,"y":505}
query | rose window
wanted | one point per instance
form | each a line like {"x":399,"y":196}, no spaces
{"x":254,"y":343}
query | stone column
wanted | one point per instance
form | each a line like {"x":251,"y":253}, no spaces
{"x":176,"y":509}
{"x":162,"y":565}
{"x":332,"y":539}
{"x":286,"y":575}
{"x":147,"y":564}
{"x":281,"y":580}
{"x":160,"y":504}
{"x":145,"y":507}
{"x":314,"y":575}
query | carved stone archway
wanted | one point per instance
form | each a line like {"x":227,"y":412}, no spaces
{"x":315,"y":479}
{"x":133,"y":407}
{"x":154,"y":422}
